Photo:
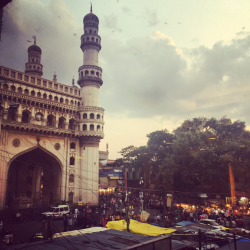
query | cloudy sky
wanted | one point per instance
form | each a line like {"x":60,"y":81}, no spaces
{"x":163,"y":61}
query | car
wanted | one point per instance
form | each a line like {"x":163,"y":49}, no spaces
{"x":212,"y":223}
{"x":59,"y":211}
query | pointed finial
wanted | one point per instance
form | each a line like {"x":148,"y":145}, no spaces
{"x":54,"y":77}
{"x":90,"y":7}
{"x":73,"y":81}
{"x":34,"y":37}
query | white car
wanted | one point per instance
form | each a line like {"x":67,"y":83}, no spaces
{"x":59,"y":211}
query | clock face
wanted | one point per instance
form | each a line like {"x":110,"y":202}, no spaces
{"x":38,"y":117}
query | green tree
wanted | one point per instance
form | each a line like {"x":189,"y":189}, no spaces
{"x":195,"y":157}
{"x":204,"y":148}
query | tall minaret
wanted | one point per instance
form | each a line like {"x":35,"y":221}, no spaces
{"x":34,"y":66}
{"x":90,"y":119}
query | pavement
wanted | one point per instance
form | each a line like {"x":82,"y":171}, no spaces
{"x":23,"y":231}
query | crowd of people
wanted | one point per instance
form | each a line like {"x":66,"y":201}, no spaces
{"x":113,"y":207}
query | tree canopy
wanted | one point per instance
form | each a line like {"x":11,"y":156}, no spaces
{"x":195,"y":156}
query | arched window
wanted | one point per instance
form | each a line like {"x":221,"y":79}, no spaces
{"x":39,"y":94}
{"x":61,"y":100}
{"x":72,"y":161}
{"x":51,"y":121}
{"x":86,"y":73}
{"x":92,"y":72}
{"x":92,"y":116}
{"x":56,"y":99}
{"x":84,"y":127}
{"x":67,"y":101}
{"x":71,"y":197}
{"x":85,"y":116}
{"x":98,"y":117}
{"x":13,"y":88}
{"x":98,"y":127}
{"x":72,"y":145}
{"x":92,"y":127}
{"x":50,"y":97}
{"x":26,"y":116}
{"x":20,"y":90}
{"x":71,"y":178}
{"x":61,"y":123}
{"x":33,"y":93}
{"x":72,"y":102}
{"x":44,"y":96}
{"x":12,"y":114}
{"x":26,"y":91}
{"x":72,"y":124}
{"x":81,"y":74}
{"x":5,"y":86}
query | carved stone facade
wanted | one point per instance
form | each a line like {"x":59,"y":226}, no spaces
{"x":50,"y":132}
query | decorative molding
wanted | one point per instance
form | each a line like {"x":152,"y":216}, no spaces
{"x":57,"y":146}
{"x":16,"y":142}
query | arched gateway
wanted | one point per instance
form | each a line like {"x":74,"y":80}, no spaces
{"x":34,"y":179}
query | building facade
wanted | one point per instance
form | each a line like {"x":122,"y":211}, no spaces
{"x":50,"y":132}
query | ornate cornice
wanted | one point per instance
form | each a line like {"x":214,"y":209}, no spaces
{"x":6,"y":75}
{"x":37,"y":129}
{"x":90,"y":67}
{"x":90,"y":45}
{"x":37,"y":100}
{"x":90,"y":108}
{"x":89,"y":141}
{"x":90,"y":80}
{"x":90,"y":121}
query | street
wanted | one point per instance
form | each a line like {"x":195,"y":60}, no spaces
{"x":24,"y":231}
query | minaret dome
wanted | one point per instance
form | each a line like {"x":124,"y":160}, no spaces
{"x":34,"y":66}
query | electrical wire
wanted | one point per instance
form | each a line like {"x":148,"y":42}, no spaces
{"x":131,"y":188}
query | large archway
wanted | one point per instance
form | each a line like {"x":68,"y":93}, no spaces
{"x":34,"y":180}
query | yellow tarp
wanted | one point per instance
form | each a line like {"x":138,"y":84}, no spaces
{"x":139,"y":228}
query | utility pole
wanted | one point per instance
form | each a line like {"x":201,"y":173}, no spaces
{"x":141,"y":193}
{"x":1,"y":114}
{"x":127,"y":200}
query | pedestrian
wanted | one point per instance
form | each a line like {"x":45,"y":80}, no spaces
{"x":48,"y":227}
{"x":51,"y":229}
{"x":76,"y":216}
{"x":18,"y":216}
{"x":70,"y":221}
{"x":65,"y":224}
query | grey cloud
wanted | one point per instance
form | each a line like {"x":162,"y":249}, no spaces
{"x":54,"y":28}
{"x":155,"y":80}
{"x":110,"y":22}
{"x":152,"y":18}
{"x":126,"y":10}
